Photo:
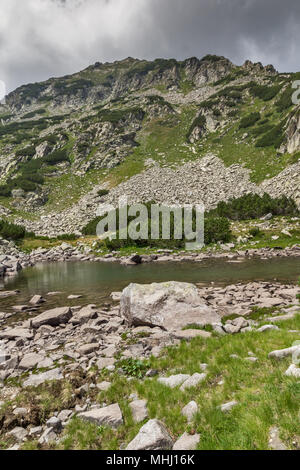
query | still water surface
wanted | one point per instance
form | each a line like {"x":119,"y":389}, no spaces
{"x":95,"y":281}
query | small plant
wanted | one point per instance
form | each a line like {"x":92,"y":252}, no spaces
{"x":249,"y":120}
{"x":255,"y":232}
{"x":134,"y":367}
{"x":103,"y":192}
{"x":11,"y":231}
{"x":68,"y":237}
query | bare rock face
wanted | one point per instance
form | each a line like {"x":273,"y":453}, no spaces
{"x":169,"y":305}
{"x":293,"y":133}
{"x":152,"y":436}
{"x":54,"y":317}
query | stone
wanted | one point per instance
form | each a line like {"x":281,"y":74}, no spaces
{"x":188,"y":335}
{"x":30,"y":361}
{"x":235,"y":326}
{"x":86,"y":349}
{"x":187,"y":442}
{"x":251,"y":359}
{"x":190,"y":410}
{"x":65,"y":415}
{"x":174,"y":380}
{"x":19,"y":434}
{"x":193,"y":381}
{"x":139,"y":410}
{"x":74,"y":297}
{"x":54,"y":317}
{"x":87,"y":313}
{"x":15,"y":333}
{"x":45,"y":363}
{"x":20,"y":412}
{"x":48,"y":436}
{"x":55,"y":424}
{"x":264,"y":328}
{"x":105,"y":362}
{"x":36,"y":431}
{"x":104,"y":386}
{"x":108,"y":416}
{"x":38,"y":379}
{"x":293,"y":371}
{"x":152,"y":436}
{"x":275,"y":442}
{"x":37,"y":300}
{"x":282,"y":353}
{"x":228,"y":406}
{"x":169,"y":305}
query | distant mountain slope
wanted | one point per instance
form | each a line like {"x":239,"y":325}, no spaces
{"x":99,"y":127}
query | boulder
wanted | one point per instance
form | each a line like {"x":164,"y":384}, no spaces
{"x":36,"y":300}
{"x":36,"y":380}
{"x":108,"y":416}
{"x":30,"y":361}
{"x":86,"y":349}
{"x":190,"y":410}
{"x":187,"y":442}
{"x":174,"y":380}
{"x":152,"y":436}
{"x":169,"y":305}
{"x":54,"y":317}
{"x":193,"y":381}
{"x":188,"y":335}
{"x":275,"y":443}
{"x":282,"y":353}
{"x":293,"y":371}
{"x":228,"y":406}
{"x":139,"y":410}
{"x":16,"y":333}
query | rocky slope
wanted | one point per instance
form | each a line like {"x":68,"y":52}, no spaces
{"x":165,"y":130}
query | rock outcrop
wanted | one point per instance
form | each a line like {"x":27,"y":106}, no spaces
{"x":170,"y":305}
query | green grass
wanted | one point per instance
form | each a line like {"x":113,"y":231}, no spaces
{"x":265,"y":396}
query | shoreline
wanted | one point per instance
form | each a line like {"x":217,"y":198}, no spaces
{"x":14,"y":261}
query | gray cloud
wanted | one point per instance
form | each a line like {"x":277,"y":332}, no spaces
{"x":43,"y":38}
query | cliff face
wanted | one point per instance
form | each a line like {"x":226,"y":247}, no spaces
{"x":109,"y":122}
{"x":293,"y":132}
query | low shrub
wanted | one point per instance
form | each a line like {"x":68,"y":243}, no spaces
{"x":68,"y":237}
{"x":255,"y":232}
{"x":253,"y":206}
{"x":11,"y":231}
{"x":58,"y":156}
{"x":273,"y":138}
{"x":103,"y":192}
{"x":265,"y":92}
{"x":200,"y":122}
{"x":249,"y":120}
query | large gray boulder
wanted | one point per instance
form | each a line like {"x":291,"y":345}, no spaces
{"x":16,"y":333}
{"x":169,"y":305}
{"x":35,"y":380}
{"x":152,"y":436}
{"x":54,"y":317}
{"x":108,"y":416}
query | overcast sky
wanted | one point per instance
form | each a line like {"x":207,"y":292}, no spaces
{"x":44,"y":38}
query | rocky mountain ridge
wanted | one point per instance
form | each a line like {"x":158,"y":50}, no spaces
{"x":105,"y":127}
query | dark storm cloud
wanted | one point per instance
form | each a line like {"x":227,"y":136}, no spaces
{"x":43,"y":38}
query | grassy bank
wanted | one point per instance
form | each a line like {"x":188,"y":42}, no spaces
{"x":265,"y":396}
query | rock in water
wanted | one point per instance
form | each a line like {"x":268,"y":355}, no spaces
{"x":169,"y":305}
{"x":152,"y":436}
